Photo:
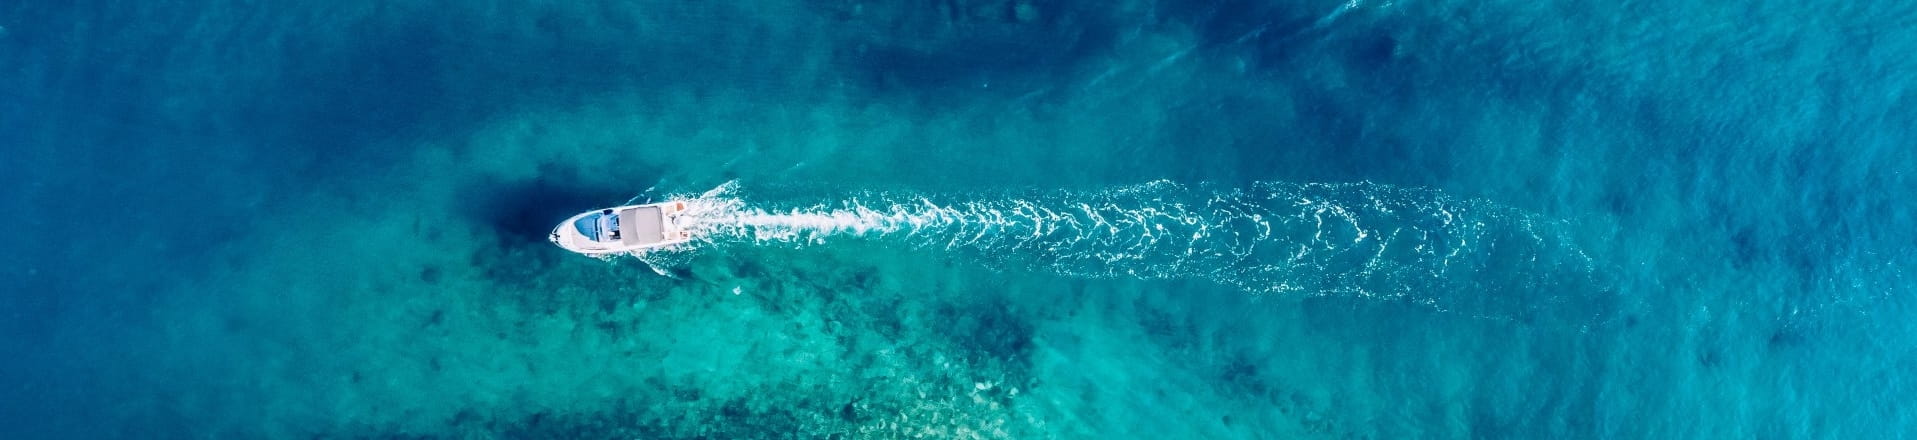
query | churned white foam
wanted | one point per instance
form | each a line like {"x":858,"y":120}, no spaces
{"x":1348,"y":238}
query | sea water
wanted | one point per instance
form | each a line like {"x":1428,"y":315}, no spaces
{"x":962,"y":219}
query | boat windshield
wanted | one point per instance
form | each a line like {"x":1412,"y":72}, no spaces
{"x":588,"y":226}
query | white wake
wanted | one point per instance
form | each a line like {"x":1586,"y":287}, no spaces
{"x":1364,"y":239}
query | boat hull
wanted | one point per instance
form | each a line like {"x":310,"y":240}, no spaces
{"x":623,"y":230}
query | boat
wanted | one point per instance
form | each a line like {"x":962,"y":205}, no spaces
{"x":624,"y":229}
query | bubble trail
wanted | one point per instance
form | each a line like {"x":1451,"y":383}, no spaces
{"x":1363,"y":239}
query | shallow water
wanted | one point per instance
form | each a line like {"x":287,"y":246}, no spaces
{"x":1001,"y":219}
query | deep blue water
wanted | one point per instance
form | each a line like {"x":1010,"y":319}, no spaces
{"x":1672,"y":220}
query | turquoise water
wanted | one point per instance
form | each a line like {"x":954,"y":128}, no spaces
{"x":960,"y":219}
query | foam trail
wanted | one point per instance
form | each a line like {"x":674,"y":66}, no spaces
{"x":1340,"y":12}
{"x":1362,"y":239}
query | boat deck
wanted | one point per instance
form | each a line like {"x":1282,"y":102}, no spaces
{"x":641,"y":225}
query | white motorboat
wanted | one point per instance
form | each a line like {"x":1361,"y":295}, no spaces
{"x":624,"y":229}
